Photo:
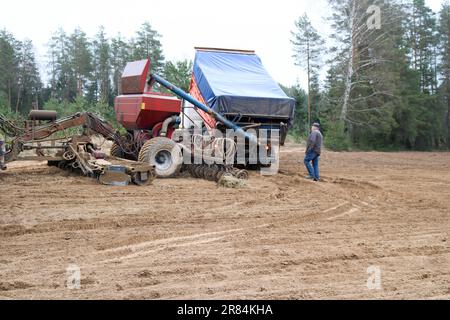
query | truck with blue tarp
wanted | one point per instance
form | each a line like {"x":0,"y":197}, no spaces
{"x":235,"y":84}
{"x":230,"y":89}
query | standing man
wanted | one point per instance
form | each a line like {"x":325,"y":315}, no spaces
{"x":313,"y":152}
{"x":2,"y":154}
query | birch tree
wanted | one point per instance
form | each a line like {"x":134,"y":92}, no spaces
{"x":365,"y":48}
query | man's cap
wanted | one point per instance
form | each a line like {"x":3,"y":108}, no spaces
{"x":317,"y":125}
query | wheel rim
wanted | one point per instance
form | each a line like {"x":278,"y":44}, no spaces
{"x":163,"y":160}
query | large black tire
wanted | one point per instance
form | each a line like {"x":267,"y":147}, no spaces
{"x":116,"y":151}
{"x":164,"y":154}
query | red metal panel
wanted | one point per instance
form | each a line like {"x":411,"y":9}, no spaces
{"x":142,"y":112}
{"x":194,"y":91}
{"x":127,"y":110}
{"x":134,"y":77}
{"x":160,"y":102}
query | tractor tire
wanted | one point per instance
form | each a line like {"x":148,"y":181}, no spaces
{"x":116,"y":151}
{"x":164,"y":154}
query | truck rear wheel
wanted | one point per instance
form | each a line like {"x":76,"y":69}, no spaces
{"x":164,"y":154}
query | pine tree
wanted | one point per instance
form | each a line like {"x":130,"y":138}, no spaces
{"x":308,"y":46}
{"x":20,"y":82}
{"x":422,"y":37}
{"x":9,"y":64}
{"x":314,"y":98}
{"x":444,"y":31}
{"x":179,"y":73}
{"x":299,"y":126}
{"x":102,"y":68}
{"x":29,"y":82}
{"x":147,"y":44}
{"x":367,"y":64}
{"x":63,"y":82}
{"x":80,"y":59}
{"x":120,"y":55}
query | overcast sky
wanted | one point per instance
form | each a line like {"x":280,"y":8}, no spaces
{"x":263,"y":25}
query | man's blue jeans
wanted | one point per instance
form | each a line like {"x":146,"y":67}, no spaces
{"x":2,"y":155}
{"x":313,"y":170}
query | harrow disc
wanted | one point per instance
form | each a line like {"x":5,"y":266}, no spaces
{"x":69,"y":156}
{"x":219,"y":174}
{"x":198,"y":172}
{"x":216,"y":172}
{"x":241,"y":174}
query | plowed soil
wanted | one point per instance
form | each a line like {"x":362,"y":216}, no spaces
{"x":280,"y":237}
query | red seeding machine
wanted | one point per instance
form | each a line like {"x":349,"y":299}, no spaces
{"x":230,"y":90}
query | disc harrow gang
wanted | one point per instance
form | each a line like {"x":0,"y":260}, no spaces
{"x":50,"y":140}
{"x":83,"y":159}
{"x":215,"y":172}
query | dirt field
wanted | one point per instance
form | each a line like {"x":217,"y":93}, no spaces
{"x":281,"y":237}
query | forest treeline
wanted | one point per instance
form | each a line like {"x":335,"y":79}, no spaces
{"x":387,"y":66}
{"x":388,"y":75}
{"x":81,"y":73}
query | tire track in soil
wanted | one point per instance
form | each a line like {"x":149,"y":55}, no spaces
{"x":304,"y":248}
{"x":147,"y":247}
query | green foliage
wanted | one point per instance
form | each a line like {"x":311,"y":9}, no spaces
{"x":398,"y":95}
{"x":179,"y":73}
{"x":20,"y":83}
{"x":308,"y":47}
{"x":14,"y":117}
{"x":66,"y":108}
{"x":62,"y":82}
{"x":11,"y":115}
{"x":80,"y":59}
{"x":147,"y":44}
{"x":102,"y":68}
{"x":299,"y":129}
{"x":80,"y":104}
{"x":3,"y":100}
{"x":92,"y":68}
{"x":382,"y":90}
{"x":335,"y":137}
{"x":120,"y":55}
{"x":444,"y":68}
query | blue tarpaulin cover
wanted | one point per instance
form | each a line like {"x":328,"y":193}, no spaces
{"x":238,"y":84}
